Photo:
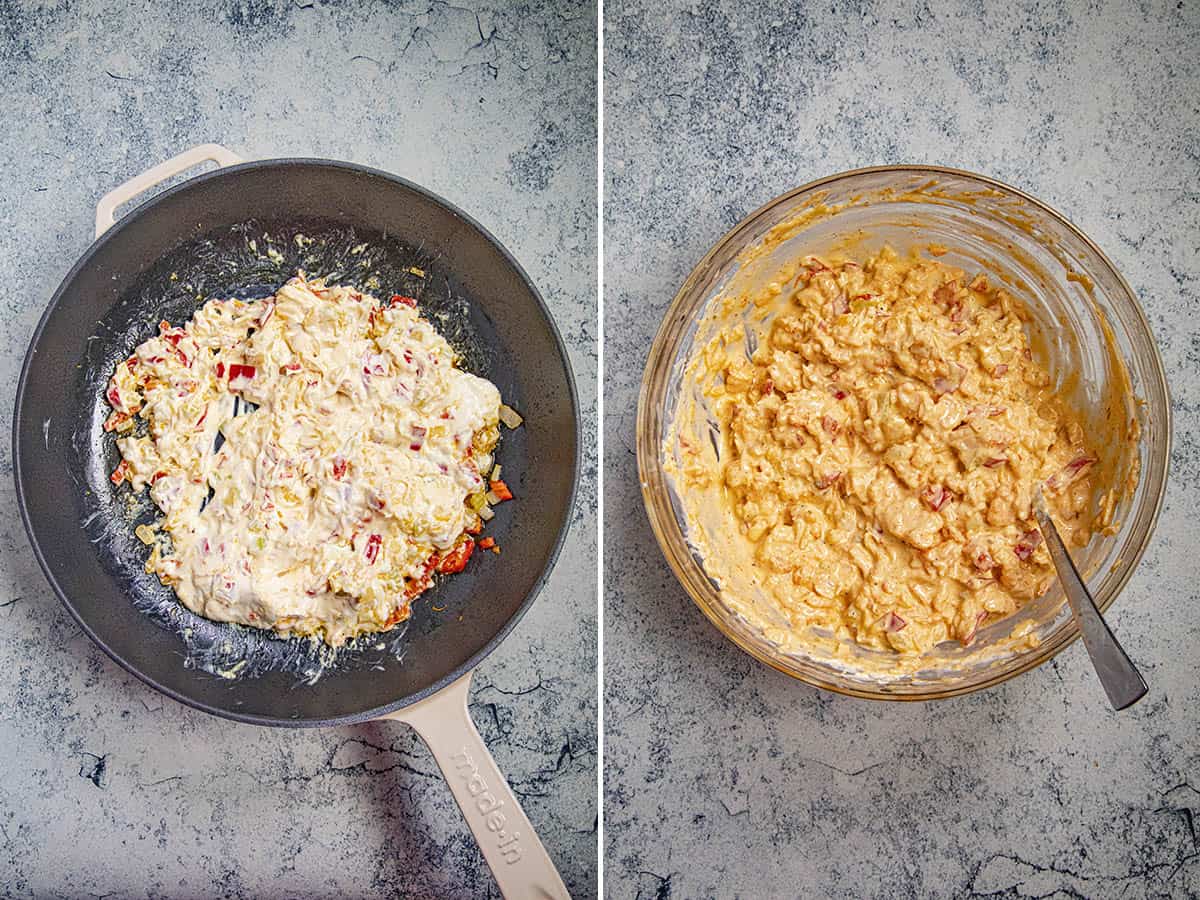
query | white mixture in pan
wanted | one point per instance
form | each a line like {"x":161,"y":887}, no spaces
{"x":326,"y":509}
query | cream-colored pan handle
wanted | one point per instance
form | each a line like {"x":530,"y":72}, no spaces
{"x":107,"y":207}
{"x":522,"y":867}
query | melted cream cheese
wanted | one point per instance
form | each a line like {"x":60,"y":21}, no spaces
{"x":356,"y":466}
{"x":878,"y":444}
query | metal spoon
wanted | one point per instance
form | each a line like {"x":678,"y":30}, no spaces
{"x":1121,"y":679}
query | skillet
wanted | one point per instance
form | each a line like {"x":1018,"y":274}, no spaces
{"x":241,"y":231}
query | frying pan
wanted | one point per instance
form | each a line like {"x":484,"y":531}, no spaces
{"x":240,"y":231}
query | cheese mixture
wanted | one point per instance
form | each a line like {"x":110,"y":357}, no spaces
{"x":879,"y":448}
{"x":317,"y":456}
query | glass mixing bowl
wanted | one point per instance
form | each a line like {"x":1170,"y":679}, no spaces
{"x":1087,"y":328}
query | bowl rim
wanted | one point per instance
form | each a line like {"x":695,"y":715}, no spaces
{"x":649,"y":445}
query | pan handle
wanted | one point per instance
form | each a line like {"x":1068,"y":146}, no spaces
{"x":522,"y":867}
{"x":107,"y":207}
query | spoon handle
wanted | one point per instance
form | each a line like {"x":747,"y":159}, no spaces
{"x":1121,"y":679}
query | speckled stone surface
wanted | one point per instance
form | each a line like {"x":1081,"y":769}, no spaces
{"x":107,"y":788}
{"x":726,"y":779}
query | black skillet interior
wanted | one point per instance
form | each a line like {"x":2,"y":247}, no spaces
{"x":241,"y":232}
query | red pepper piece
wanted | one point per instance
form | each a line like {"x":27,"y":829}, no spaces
{"x":1028,"y":543}
{"x":237,"y":370}
{"x":825,"y":481}
{"x":115,"y":421}
{"x":936,"y":497}
{"x":372,"y":551}
{"x":456,"y":559}
{"x":978,"y":621}
{"x":405,"y":301}
{"x":500,"y":489}
{"x":240,"y":376}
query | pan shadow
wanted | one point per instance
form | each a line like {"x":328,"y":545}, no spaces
{"x":429,"y":849}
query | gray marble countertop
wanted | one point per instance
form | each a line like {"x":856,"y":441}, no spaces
{"x":725,"y":778}
{"x":107,"y":788}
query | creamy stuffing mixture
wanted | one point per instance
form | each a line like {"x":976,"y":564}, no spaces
{"x":880,"y":447}
{"x":317,"y":457}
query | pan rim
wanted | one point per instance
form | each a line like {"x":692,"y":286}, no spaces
{"x":496,"y":639}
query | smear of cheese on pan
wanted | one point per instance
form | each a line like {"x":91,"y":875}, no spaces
{"x":317,"y":456}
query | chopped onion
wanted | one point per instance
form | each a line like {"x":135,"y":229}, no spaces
{"x":485,"y":513}
{"x":510,"y":417}
{"x":495,"y":476}
{"x":491,"y":498}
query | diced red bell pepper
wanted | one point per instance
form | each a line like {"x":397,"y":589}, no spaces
{"x":115,"y":421}
{"x":825,"y":481}
{"x":405,"y":301}
{"x":114,"y":396}
{"x":456,"y":559}
{"x":487,"y":543}
{"x":1080,"y":462}
{"x":372,"y":551}
{"x":339,"y":466}
{"x":1029,"y":542}
{"x":935,"y":496}
{"x":236,"y":370}
{"x":978,"y":621}
{"x":500,"y":489}
{"x":120,"y":472}
{"x":240,"y":376}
